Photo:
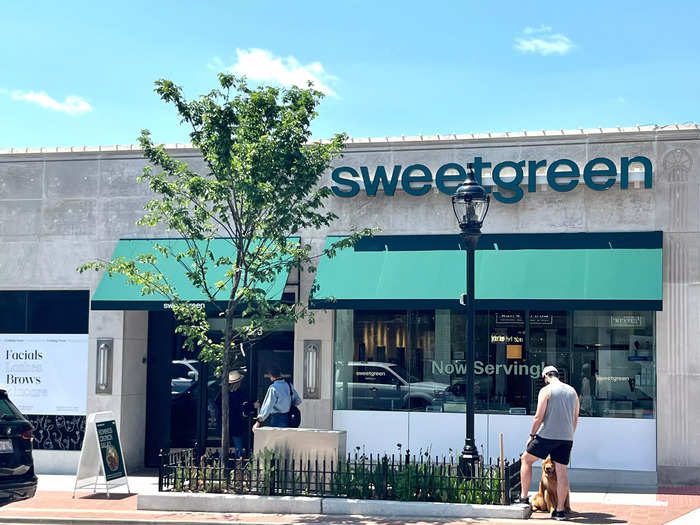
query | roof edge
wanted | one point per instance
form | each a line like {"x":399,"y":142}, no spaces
{"x":437,"y":138}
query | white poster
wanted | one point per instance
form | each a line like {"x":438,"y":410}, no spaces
{"x":45,"y":374}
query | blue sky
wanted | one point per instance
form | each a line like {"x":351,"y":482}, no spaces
{"x":74,"y":73}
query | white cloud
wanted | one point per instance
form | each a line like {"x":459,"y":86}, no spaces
{"x":621,"y":100}
{"x":545,"y":43}
{"x":542,"y":29}
{"x":71,"y":105}
{"x":263,"y":66}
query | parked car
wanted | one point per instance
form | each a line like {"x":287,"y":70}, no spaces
{"x":183,"y":376}
{"x":17,"y":478}
{"x":372,"y":385}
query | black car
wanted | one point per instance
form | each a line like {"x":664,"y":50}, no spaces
{"x":17,"y":478}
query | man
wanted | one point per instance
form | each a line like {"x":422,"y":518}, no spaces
{"x":278,"y":401}
{"x":235,"y":403}
{"x":552,"y":435}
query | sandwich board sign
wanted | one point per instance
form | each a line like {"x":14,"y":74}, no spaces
{"x":101,"y":464}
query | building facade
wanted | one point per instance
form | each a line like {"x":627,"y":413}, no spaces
{"x":589,"y":261}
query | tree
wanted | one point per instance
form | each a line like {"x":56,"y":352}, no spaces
{"x":261,"y":186}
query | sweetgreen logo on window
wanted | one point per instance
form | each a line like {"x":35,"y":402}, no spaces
{"x":562,"y":175}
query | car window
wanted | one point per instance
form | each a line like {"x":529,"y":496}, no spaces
{"x":373,"y":375}
{"x":179,"y":371}
{"x":403,"y":373}
{"x":9,"y":410}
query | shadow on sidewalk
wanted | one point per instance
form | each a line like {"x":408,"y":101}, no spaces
{"x":597,"y":518}
{"x":114,"y":496}
{"x":692,"y":490}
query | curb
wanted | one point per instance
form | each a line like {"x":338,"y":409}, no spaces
{"x":234,"y":503}
{"x":34,"y":520}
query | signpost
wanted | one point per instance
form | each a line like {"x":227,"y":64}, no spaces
{"x":101,"y":464}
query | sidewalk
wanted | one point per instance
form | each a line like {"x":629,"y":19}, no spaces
{"x":54,"y":504}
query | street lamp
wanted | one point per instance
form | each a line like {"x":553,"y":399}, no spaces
{"x":470,"y":203}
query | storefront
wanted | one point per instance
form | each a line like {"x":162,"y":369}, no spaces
{"x":541,"y":299}
{"x":589,"y":261}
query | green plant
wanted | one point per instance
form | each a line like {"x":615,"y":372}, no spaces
{"x":360,"y":478}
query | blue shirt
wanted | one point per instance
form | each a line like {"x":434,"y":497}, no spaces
{"x":278,"y":399}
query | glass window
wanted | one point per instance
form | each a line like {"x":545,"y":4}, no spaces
{"x":507,"y":358}
{"x":385,"y":360}
{"x":13,"y":312}
{"x":415,"y":360}
{"x":8,"y":410}
{"x":548,"y":344}
{"x":59,"y":312}
{"x":613,"y":365}
{"x":374,"y":375}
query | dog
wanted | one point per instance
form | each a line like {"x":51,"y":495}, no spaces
{"x":546,"y":497}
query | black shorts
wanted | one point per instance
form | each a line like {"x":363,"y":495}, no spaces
{"x":558,"y":449}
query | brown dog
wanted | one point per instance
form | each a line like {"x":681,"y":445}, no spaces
{"x":546,"y":497}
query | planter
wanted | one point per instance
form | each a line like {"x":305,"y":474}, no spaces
{"x":234,"y":503}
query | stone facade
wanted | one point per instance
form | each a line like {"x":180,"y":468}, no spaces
{"x":60,"y":209}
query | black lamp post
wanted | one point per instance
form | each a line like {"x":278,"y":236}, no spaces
{"x":470,"y":203}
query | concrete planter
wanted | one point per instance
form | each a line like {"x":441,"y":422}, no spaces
{"x":190,"y":502}
{"x":187,"y":502}
{"x":422,"y":509}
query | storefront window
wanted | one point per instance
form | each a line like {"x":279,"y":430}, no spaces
{"x":415,"y":360}
{"x":548,"y":345}
{"x":614,"y":363}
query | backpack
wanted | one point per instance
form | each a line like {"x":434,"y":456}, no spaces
{"x":294,"y":413}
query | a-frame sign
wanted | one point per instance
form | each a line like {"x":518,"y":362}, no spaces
{"x":101,"y":464}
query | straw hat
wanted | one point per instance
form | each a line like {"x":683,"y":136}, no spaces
{"x":234,"y":376}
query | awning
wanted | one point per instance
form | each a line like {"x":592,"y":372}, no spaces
{"x":564,"y":271}
{"x":115,"y":293}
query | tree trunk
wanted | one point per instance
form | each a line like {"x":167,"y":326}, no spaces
{"x":225,"y":413}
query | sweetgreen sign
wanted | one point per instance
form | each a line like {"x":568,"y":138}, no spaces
{"x":563,"y":175}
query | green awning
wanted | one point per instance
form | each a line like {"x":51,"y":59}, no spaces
{"x":582,"y":271}
{"x":114,"y":293}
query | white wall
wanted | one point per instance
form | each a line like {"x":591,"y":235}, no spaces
{"x":56,"y":461}
{"x":600,"y":443}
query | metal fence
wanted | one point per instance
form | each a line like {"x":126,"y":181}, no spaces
{"x":399,"y":477}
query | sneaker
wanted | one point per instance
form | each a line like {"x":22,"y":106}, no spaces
{"x":559,"y":515}
{"x":522,"y":501}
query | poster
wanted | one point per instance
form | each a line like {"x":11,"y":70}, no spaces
{"x":45,"y":373}
{"x":101,"y":464}
{"x":110,"y":451}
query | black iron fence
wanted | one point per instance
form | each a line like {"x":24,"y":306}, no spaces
{"x":399,"y":477}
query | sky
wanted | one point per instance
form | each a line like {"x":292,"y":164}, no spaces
{"x":81,"y":73}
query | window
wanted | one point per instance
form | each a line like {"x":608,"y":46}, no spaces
{"x":374,"y":376}
{"x":8,"y":410}
{"x":614,"y":363}
{"x":13,"y":312}
{"x":58,"y":312}
{"x":44,"y":312}
{"x":415,"y":360}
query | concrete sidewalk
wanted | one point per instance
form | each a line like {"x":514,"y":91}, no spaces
{"x":54,"y":504}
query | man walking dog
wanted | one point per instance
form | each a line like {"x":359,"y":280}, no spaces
{"x":552,"y":435}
